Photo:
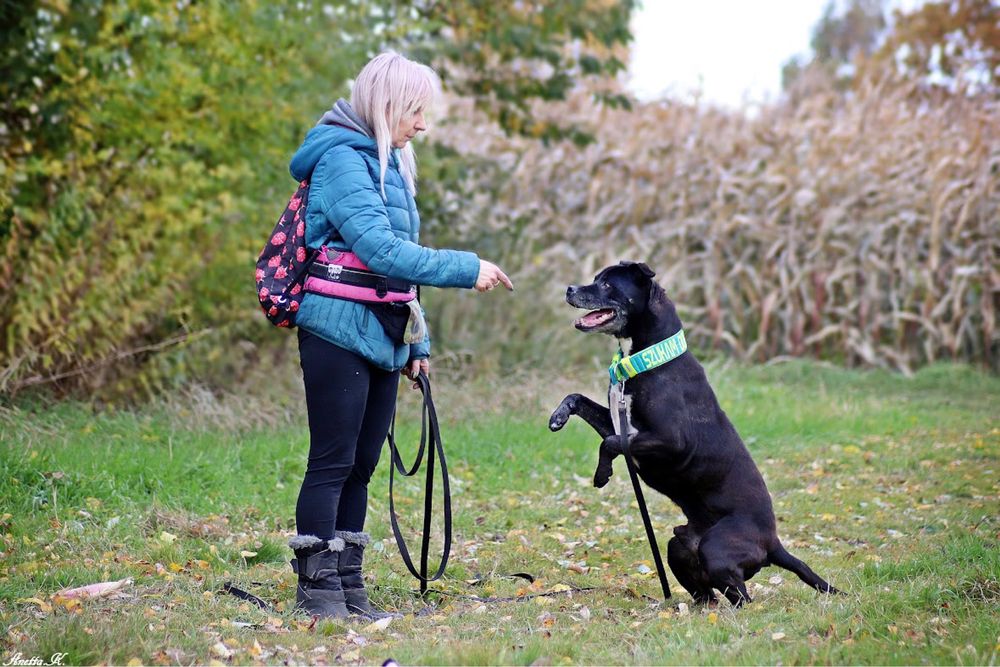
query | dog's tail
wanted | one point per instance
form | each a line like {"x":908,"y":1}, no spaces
{"x":785,"y":560}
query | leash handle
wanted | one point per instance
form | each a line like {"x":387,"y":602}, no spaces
{"x":429,"y":430}
{"x":640,"y":499}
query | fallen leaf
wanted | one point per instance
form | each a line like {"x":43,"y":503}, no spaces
{"x":777,"y":636}
{"x":70,"y":604}
{"x":221,"y":651}
{"x":379,"y":625}
{"x":167,"y":538}
{"x":42,"y":604}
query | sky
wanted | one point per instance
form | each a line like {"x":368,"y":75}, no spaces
{"x":730,"y":50}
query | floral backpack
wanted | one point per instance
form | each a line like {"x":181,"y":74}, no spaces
{"x":283,"y":263}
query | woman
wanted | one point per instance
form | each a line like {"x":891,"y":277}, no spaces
{"x":362,"y":172}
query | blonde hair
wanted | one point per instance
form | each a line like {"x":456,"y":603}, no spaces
{"x":388,"y":88}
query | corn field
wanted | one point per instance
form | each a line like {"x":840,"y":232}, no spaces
{"x":864,"y":229}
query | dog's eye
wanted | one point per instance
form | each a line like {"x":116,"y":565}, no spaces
{"x":605,"y":285}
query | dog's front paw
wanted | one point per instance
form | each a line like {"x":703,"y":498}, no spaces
{"x":602,"y":475}
{"x":561,"y":415}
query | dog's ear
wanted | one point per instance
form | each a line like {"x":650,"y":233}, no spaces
{"x":640,"y":266}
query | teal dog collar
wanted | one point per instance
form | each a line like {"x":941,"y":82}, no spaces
{"x":623,"y":368}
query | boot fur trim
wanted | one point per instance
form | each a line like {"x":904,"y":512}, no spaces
{"x":299,"y":542}
{"x":361,"y":539}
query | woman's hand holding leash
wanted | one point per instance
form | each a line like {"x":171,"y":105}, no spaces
{"x":490,"y":276}
{"x":414,"y":368}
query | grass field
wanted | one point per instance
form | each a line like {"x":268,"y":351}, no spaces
{"x":887,"y":486}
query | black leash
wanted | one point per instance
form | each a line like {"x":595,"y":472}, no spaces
{"x":243,"y":595}
{"x":429,"y":429}
{"x":640,"y":499}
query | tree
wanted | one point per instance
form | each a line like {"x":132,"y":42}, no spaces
{"x":841,"y":40}
{"x":951,"y":45}
{"x":507,"y":55}
{"x":954,"y":44}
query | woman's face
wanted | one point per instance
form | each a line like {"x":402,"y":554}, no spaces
{"x":408,"y":127}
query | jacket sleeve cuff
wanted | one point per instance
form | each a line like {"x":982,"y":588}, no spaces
{"x":469,"y":270}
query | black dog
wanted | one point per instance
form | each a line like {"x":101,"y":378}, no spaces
{"x":683,"y":445}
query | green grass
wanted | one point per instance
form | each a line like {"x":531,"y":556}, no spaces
{"x":886,"y":486}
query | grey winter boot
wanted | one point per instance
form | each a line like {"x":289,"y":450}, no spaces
{"x":317,"y":562}
{"x":351,"y":577}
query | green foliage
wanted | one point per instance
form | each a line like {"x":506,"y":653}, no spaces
{"x":142,"y":142}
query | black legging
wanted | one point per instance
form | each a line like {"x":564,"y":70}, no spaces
{"x":350,"y":404}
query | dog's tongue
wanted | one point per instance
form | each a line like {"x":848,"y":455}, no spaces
{"x":596,"y":317}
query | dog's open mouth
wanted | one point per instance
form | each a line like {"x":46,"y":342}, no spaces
{"x":595,"y":318}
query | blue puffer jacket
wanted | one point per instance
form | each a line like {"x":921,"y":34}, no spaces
{"x":346,"y":211}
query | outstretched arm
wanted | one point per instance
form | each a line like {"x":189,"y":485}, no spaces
{"x":353,"y":206}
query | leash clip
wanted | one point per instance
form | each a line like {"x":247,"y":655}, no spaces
{"x":621,"y":395}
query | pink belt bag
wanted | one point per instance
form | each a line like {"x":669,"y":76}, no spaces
{"x":342,"y":275}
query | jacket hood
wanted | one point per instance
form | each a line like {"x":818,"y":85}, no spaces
{"x":342,"y":113}
{"x":338,"y":127}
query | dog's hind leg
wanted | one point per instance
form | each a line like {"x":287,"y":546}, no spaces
{"x":727,"y":555}
{"x":684,"y":563}
{"x":595,"y":414}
